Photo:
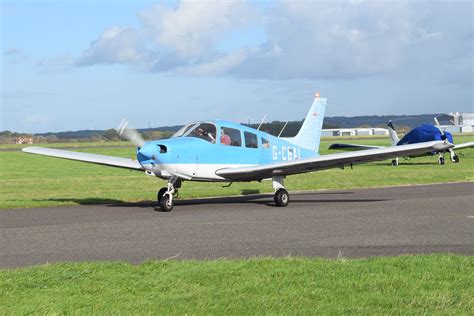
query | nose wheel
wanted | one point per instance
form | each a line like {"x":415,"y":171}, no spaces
{"x":166,"y":195}
{"x":166,"y":202}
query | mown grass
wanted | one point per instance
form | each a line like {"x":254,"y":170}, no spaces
{"x":439,"y":284}
{"x":35,"y":181}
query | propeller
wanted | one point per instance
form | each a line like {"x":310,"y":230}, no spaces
{"x":452,"y":154}
{"x":443,"y":135}
{"x":130,"y":134}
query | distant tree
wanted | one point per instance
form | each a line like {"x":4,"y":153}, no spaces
{"x":166,"y":134}
{"x":110,"y":134}
{"x":330,"y":126}
{"x":147,"y":135}
{"x":52,"y":139}
{"x":95,"y":137}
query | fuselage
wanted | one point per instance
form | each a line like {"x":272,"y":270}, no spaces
{"x":199,"y":149}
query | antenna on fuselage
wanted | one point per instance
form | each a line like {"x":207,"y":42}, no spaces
{"x":263,"y":119}
{"x":282,"y":129}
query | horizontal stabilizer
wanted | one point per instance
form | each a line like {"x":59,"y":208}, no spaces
{"x":351,"y":147}
{"x":86,"y":157}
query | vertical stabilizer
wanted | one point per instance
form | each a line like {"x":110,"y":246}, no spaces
{"x":309,"y":135}
{"x":393,"y":133}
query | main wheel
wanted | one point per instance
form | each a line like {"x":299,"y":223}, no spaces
{"x":161,"y":193}
{"x":166,"y":203}
{"x":441,"y":160}
{"x":456,"y":159}
{"x":281,"y":197}
{"x":394,"y":162}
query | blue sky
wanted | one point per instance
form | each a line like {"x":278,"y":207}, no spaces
{"x":74,"y":65}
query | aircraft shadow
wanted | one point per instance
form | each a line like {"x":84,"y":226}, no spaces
{"x":408,"y":163}
{"x":100,"y":201}
{"x":260,"y":199}
{"x":267,"y":199}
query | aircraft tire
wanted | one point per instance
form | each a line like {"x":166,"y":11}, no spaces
{"x":161,"y":193}
{"x":394,"y":162}
{"x":456,"y":159}
{"x":441,"y":160}
{"x":166,"y":203}
{"x":281,"y":198}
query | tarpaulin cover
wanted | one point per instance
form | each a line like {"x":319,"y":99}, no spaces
{"x":425,"y":133}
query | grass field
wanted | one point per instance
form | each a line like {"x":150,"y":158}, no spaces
{"x":435,"y":284}
{"x":36,"y":181}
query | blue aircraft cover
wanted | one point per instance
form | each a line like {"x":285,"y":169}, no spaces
{"x":425,"y":133}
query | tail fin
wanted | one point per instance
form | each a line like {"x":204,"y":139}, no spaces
{"x":393,"y":133}
{"x":309,"y":135}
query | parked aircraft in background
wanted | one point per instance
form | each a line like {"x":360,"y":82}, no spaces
{"x":218,"y":150}
{"x":420,"y":134}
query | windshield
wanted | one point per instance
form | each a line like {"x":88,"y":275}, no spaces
{"x":183,"y":130}
{"x":206,"y":131}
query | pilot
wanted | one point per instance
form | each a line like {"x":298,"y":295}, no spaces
{"x":225,"y":139}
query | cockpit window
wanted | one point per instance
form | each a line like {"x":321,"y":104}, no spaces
{"x":183,"y":130}
{"x":206,"y":131}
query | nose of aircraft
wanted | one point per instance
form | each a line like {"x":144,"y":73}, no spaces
{"x":148,"y":151}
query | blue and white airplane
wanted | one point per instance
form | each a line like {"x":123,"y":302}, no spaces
{"x":223,"y":151}
{"x":423,"y":133}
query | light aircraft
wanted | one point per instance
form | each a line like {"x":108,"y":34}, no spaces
{"x":423,"y":133}
{"x":222,"y":151}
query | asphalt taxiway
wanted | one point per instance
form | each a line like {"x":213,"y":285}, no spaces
{"x":347,"y":223}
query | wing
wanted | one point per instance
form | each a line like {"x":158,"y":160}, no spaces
{"x":464,"y":145}
{"x":329,"y":161}
{"x":92,"y":158}
{"x":351,"y":147}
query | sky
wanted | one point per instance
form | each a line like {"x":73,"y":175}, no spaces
{"x":73,"y":65}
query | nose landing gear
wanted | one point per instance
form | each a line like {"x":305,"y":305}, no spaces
{"x":165,"y":195}
{"x":441,"y":160}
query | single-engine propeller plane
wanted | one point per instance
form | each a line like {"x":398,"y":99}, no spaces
{"x":223,"y":151}
{"x":420,"y":134}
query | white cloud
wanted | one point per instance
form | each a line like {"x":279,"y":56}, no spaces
{"x":304,"y":39}
{"x":192,"y":29}
{"x":332,"y":39}
{"x":115,"y":45}
{"x":218,"y":66}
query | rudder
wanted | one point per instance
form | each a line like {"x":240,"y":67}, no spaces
{"x":309,"y":136}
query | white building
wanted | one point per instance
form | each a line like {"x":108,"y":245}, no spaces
{"x":354,"y":131}
{"x":457,"y":122}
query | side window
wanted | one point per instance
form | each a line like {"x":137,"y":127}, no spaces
{"x":250,"y":140}
{"x":231,"y":137}
{"x":265,"y":143}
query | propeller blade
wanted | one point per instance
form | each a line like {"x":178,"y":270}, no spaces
{"x":130,"y":134}
{"x":438,"y":126}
